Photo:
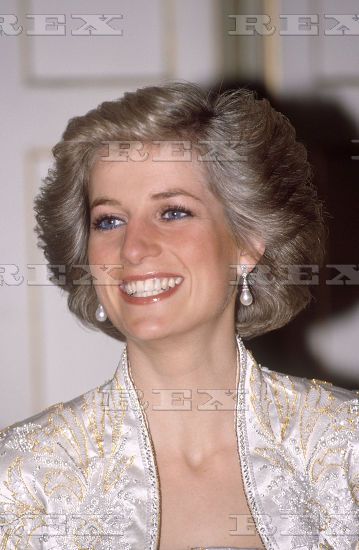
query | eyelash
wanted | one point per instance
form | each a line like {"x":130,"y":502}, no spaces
{"x":170,"y":207}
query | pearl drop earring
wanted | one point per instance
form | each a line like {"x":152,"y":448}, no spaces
{"x":101,"y":315}
{"x":246,"y":297}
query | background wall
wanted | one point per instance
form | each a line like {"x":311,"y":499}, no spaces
{"x":308,"y":67}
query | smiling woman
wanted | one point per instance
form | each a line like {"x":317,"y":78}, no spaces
{"x":190,"y":209}
{"x":159,"y":246}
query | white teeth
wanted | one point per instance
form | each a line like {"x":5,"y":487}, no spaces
{"x":148,"y":286}
{"x":139,"y":286}
{"x":151,"y":287}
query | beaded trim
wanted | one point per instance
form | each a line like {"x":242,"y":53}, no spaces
{"x":148,"y":455}
{"x":243,"y":449}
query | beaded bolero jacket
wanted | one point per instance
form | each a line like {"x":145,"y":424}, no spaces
{"x":83,"y":474}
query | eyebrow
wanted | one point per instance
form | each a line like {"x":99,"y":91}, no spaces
{"x":156,"y":196}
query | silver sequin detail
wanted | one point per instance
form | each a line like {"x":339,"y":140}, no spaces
{"x":148,"y":455}
{"x":243,"y":448}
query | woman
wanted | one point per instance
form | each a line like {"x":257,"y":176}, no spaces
{"x":190,"y":209}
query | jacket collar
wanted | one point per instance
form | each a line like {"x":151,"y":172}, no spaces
{"x":150,"y":521}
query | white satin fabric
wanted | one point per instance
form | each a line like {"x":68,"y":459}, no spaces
{"x":83,"y":474}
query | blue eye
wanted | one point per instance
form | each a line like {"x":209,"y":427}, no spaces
{"x":105,"y":223}
{"x":174,"y":208}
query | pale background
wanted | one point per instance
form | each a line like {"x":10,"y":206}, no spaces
{"x":46,"y":355}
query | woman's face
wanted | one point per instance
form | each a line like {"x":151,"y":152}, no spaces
{"x":144,"y":235}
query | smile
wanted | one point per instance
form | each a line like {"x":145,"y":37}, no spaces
{"x":149,"y":290}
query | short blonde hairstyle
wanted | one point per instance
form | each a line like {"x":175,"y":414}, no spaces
{"x":266,"y":189}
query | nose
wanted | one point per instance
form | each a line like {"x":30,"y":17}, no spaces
{"x":140,"y":240}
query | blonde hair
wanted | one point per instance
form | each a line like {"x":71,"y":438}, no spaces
{"x":266,"y":190}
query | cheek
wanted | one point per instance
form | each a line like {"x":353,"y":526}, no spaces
{"x":212,"y":247}
{"x":99,"y":255}
{"x":209,"y":252}
{"x":99,"y":250}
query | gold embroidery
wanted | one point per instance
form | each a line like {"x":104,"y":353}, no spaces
{"x":76,"y":460}
{"x":302,"y":431}
{"x":29,"y":502}
{"x":270,"y":392}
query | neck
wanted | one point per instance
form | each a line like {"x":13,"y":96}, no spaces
{"x":187,"y":361}
{"x":185,"y":391}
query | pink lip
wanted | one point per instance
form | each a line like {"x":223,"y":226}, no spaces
{"x":150,"y":275}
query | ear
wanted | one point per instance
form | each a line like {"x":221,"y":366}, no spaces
{"x":250,"y":256}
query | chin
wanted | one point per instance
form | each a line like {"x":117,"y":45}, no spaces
{"x":146,"y":332}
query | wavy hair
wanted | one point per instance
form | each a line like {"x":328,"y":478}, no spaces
{"x":259,"y":172}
